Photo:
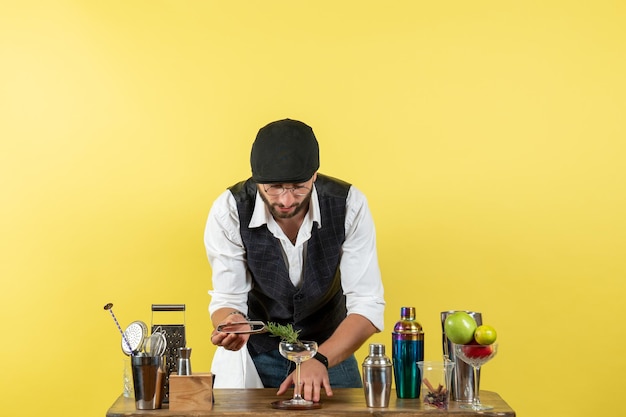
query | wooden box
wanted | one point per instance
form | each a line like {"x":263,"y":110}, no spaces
{"x":191,"y":392}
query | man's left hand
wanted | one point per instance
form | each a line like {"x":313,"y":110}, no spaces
{"x":313,"y":376}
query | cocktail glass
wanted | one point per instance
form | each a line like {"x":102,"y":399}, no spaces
{"x":476,"y":356}
{"x":297,"y":352}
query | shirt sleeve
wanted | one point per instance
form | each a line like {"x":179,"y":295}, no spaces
{"x":227,"y":256}
{"x":360,"y":272}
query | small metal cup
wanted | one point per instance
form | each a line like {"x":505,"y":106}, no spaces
{"x":184,"y":361}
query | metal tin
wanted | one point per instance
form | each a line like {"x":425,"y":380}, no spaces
{"x":462,"y":386}
{"x":377,"y":376}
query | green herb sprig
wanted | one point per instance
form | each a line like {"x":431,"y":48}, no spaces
{"x":285,"y":332}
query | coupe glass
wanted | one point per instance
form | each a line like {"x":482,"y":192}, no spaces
{"x":476,"y":356}
{"x":298,"y":352}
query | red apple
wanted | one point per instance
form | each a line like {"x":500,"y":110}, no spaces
{"x":477,"y":351}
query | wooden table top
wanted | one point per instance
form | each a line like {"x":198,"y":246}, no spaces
{"x":344,"y":402}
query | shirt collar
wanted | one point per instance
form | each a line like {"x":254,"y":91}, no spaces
{"x":261,"y":214}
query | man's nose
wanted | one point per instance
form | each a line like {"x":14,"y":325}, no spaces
{"x":287,"y":198}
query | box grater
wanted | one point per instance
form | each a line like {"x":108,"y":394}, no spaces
{"x":172,"y":324}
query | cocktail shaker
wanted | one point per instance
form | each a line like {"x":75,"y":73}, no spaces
{"x":462,"y":386}
{"x":147,"y":381}
{"x":377,"y":376}
{"x":407,"y":350}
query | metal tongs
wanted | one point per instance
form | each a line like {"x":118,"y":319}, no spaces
{"x":234,"y":327}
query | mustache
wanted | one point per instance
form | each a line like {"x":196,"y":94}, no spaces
{"x":280,"y":205}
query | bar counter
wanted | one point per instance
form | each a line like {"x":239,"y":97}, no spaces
{"x":344,"y":402}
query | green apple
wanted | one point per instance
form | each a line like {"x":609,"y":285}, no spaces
{"x":460,"y":327}
{"x":485,"y":334}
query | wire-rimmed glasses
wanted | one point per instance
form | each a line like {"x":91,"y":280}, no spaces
{"x":276,"y":190}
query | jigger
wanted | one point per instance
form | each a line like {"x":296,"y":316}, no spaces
{"x":184,"y":361}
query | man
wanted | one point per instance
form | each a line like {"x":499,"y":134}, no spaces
{"x":293,"y":246}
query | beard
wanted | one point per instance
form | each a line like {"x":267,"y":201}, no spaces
{"x":298,"y":207}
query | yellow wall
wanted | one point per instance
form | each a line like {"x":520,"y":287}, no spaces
{"x":488,"y":136}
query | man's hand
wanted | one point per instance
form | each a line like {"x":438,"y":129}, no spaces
{"x":313,"y":376}
{"x":230,"y":341}
{"x":349,"y":336}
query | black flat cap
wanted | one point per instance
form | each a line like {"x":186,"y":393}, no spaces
{"x":284,"y":151}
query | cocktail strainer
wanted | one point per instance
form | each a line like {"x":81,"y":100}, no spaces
{"x":135,"y":334}
{"x":156,"y":343}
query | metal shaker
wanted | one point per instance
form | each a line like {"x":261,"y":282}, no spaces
{"x":377,"y":375}
{"x":462,"y":386}
{"x":147,"y":381}
{"x":407,"y":350}
{"x":184,"y":361}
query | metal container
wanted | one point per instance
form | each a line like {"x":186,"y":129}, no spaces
{"x":171,"y":322}
{"x":462,"y":386}
{"x":377,"y":377}
{"x":148,"y":381}
{"x":407,"y":350}
{"x":184,"y":361}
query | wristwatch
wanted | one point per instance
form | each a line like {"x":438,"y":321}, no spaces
{"x":240,"y":313}
{"x":322,"y":359}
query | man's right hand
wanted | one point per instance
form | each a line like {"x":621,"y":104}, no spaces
{"x":230,"y":341}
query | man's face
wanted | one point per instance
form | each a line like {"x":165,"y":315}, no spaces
{"x":285,"y":201}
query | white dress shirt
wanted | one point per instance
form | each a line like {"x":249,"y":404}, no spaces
{"x":360,"y":274}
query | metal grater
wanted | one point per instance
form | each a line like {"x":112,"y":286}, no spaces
{"x":174,"y":329}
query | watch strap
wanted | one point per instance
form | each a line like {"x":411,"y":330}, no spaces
{"x":322,"y":359}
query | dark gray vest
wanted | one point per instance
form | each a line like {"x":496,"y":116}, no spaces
{"x":317,"y":308}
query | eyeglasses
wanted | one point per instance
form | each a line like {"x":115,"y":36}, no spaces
{"x":277,"y":190}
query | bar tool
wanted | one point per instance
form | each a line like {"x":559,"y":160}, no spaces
{"x":377,"y":376}
{"x":172,"y":324}
{"x":184,"y":361}
{"x":407,"y":350}
{"x":234,"y":327}
{"x":156,"y":343}
{"x":109,"y":307}
{"x":135,"y":334}
{"x":462,"y":386}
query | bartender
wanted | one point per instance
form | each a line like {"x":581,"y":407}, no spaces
{"x":290,"y":245}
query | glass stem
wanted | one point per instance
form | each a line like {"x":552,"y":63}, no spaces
{"x":297,"y":389}
{"x":476,"y":400}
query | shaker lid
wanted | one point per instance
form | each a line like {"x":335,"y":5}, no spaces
{"x":377,"y":356}
{"x":407,"y":323}
{"x":377,"y":349}
{"x":407,"y":313}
